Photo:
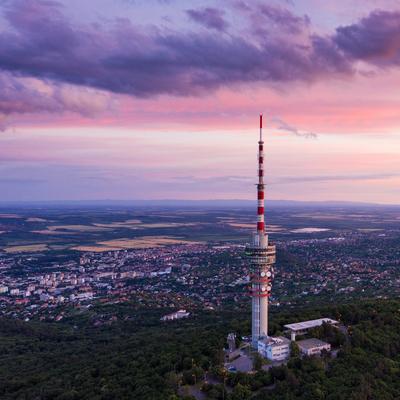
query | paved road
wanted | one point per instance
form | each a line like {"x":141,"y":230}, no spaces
{"x":242,"y":364}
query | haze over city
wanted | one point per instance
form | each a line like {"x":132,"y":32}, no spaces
{"x":160,"y":99}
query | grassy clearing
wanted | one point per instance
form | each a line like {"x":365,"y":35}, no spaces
{"x":25,"y":248}
{"x":134,"y":224}
{"x":137,"y":243}
{"x":124,"y":224}
{"x":238,"y":225}
{"x":94,"y":249}
{"x":139,"y":225}
{"x":73,"y":229}
{"x":77,"y":228}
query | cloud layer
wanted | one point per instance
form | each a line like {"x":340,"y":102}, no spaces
{"x":374,"y":39}
{"x":210,"y":17}
{"x":120,"y":57}
{"x":30,"y":95}
{"x":50,"y":63}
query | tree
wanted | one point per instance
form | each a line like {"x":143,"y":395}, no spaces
{"x":193,"y":375}
{"x":257,"y":362}
{"x":294,"y":350}
{"x":240,"y":392}
{"x":172,"y":380}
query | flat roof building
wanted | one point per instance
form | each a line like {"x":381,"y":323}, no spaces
{"x":300,"y":328}
{"x":175,"y":315}
{"x":312,"y":347}
{"x":274,"y":348}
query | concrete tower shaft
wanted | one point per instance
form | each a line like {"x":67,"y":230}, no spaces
{"x":262,"y":257}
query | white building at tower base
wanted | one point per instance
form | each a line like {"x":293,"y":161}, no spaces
{"x":274,"y":348}
{"x":313,"y":347}
{"x":301,"y":328}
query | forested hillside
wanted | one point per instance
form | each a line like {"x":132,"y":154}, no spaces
{"x":132,"y":355}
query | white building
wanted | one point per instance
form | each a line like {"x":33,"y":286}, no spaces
{"x":300,"y":328}
{"x":312,"y":347}
{"x":176,"y":315}
{"x":274,"y":348}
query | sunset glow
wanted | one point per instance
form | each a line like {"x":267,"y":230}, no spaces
{"x":160,"y":99}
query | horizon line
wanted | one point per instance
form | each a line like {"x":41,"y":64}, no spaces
{"x":169,"y":201}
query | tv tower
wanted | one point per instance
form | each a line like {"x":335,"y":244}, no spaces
{"x":262,"y":257}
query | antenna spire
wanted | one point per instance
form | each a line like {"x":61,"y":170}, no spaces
{"x":260,"y":184}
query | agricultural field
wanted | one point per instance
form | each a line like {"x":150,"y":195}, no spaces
{"x":105,"y":228}
{"x":25,"y":249}
{"x":136,"y":243}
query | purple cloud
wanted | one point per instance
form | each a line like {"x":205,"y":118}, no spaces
{"x":42,"y":43}
{"x":209,"y":17}
{"x":20,"y":95}
{"x":242,"y":5}
{"x":374,"y":39}
{"x":283,"y":18}
{"x":122,"y":59}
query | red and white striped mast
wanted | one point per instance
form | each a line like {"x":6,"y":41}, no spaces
{"x":262,"y":258}
{"x":260,"y":185}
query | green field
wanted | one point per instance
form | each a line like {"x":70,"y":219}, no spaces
{"x":73,"y":228}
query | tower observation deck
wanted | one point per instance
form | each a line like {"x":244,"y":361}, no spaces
{"x":262,"y":257}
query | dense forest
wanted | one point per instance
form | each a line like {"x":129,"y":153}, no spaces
{"x":133,"y":355}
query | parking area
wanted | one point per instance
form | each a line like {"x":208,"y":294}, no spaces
{"x":243,"y":363}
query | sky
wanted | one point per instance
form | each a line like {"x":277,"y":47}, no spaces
{"x":159,"y":99}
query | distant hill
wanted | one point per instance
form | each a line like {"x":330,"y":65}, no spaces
{"x":173,"y":203}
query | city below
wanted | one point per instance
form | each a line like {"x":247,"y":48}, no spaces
{"x":345,"y":254}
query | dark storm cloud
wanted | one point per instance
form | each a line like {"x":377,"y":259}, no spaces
{"x":212,"y":18}
{"x":41,"y":42}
